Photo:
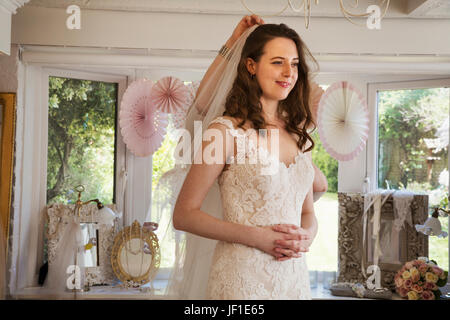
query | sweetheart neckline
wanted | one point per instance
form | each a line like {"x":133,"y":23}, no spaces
{"x":269,"y":155}
{"x":299,"y":153}
{"x":233,"y":129}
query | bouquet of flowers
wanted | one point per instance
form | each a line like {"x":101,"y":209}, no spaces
{"x":420,"y":280}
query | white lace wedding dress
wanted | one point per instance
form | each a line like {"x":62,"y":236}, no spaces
{"x":251,"y":198}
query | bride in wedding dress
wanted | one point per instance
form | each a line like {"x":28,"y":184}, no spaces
{"x":268,"y":219}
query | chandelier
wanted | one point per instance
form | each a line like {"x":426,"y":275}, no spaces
{"x":305,"y":6}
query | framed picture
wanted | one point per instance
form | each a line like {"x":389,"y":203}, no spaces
{"x":356,"y":247}
{"x":7,"y":125}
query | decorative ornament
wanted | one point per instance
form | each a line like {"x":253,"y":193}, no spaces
{"x":143,"y":127}
{"x":343,"y":121}
{"x":432,"y":227}
{"x":170,"y":95}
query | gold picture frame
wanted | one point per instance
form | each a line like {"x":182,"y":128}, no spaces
{"x":120,"y":262}
{"x":8,"y":124}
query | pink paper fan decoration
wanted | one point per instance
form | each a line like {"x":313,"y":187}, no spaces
{"x":343,"y":121}
{"x":316,"y":94}
{"x":170,"y":95}
{"x":143,"y":127}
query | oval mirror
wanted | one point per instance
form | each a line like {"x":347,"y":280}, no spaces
{"x":135,"y":255}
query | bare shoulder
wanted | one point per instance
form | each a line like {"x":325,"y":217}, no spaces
{"x":238,"y":121}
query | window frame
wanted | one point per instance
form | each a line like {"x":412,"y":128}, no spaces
{"x":31,"y":161}
{"x":132,"y":193}
{"x":372,"y":143}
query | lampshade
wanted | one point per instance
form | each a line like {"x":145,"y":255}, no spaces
{"x":106,"y":215}
{"x":432,"y":227}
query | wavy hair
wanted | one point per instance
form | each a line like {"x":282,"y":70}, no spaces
{"x":243,"y":101}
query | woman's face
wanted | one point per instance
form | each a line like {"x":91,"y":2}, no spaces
{"x":277,"y":69}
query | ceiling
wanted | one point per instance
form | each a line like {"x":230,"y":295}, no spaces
{"x":407,"y":9}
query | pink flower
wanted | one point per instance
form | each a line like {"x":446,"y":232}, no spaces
{"x":423,"y":269}
{"x":428,"y":285}
{"x":428,"y":295}
{"x":409,"y":265}
{"x":417,"y":288}
{"x":407,"y":284}
{"x":399,"y":282}
{"x":418,"y":263}
{"x":403,"y":292}
{"x":438,"y":271}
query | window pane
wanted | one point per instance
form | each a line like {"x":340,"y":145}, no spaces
{"x":323,"y":253}
{"x":164,"y":161}
{"x":81,"y":139}
{"x":413,"y":141}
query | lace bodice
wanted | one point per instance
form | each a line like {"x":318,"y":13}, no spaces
{"x":252,"y":198}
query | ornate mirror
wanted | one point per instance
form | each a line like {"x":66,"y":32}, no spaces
{"x":135,"y":254}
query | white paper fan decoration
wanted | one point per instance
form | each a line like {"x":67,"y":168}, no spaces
{"x":343,"y":121}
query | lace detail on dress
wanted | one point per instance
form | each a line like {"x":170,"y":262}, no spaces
{"x":252,"y":198}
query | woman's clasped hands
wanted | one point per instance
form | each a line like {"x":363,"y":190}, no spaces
{"x":284,"y":241}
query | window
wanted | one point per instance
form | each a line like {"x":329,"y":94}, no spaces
{"x":323,"y":254}
{"x":81,"y":142}
{"x":413,"y":137}
{"x":81,"y":139}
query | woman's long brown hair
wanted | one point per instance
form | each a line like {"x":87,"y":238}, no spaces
{"x":243,"y":101}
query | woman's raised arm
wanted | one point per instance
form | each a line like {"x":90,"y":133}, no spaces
{"x":214,"y":71}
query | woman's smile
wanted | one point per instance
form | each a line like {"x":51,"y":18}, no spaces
{"x":283,"y":84}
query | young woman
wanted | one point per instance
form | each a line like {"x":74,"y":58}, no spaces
{"x":320,"y":185}
{"x":268,"y":219}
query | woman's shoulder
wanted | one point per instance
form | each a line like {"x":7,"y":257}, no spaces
{"x":226,"y":121}
{"x":231,"y":122}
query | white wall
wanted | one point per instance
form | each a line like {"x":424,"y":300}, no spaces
{"x":46,"y":26}
{"x":5,"y":31}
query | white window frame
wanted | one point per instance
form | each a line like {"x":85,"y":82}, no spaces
{"x":31,"y":158}
{"x":31,"y":145}
{"x":372,"y":145}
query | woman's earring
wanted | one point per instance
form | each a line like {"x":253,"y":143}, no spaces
{"x":252,"y":76}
